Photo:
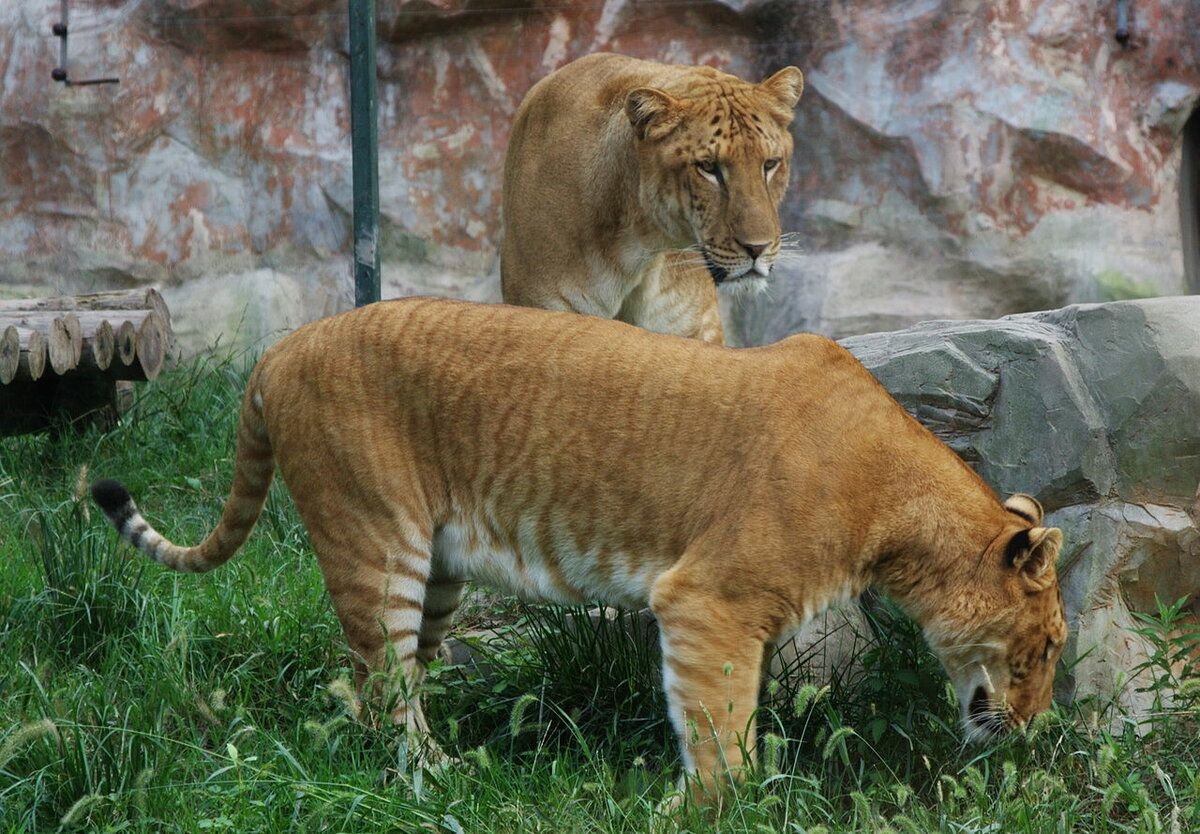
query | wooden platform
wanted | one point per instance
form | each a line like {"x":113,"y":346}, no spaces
{"x":70,"y":360}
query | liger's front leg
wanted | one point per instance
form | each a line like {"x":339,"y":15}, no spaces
{"x":712,"y":666}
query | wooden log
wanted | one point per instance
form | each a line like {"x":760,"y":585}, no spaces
{"x":152,"y":345}
{"x":75,"y":331}
{"x":137,"y":299}
{"x":126,"y":343}
{"x":99,"y":348}
{"x":128,"y":327}
{"x":134,"y":352}
{"x":89,"y":320}
{"x":59,"y":347}
{"x":10,"y":354}
{"x":63,"y":333}
{"x":33,"y":355}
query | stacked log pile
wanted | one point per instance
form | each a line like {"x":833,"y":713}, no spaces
{"x":70,"y":359}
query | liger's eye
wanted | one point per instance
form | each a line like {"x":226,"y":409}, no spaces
{"x":770,"y":165}
{"x":709,"y":167}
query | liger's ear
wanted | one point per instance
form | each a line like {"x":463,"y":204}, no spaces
{"x":786,"y":86}
{"x":1026,"y":506}
{"x":1033,"y":553}
{"x":653,"y":113}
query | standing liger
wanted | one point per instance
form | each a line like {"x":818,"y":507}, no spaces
{"x":615,"y":164}
{"x":564,"y":458}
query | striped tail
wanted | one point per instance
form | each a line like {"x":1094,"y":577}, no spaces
{"x":254,"y":467}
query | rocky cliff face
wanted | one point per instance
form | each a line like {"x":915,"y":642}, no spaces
{"x":962,"y":160}
{"x":953,"y":159}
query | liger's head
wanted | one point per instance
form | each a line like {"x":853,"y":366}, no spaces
{"x":1001,"y":651}
{"x":714,"y":167}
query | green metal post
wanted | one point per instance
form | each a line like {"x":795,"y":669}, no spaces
{"x":364,"y":141}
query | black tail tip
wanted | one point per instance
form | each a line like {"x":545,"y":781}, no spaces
{"x":110,"y":495}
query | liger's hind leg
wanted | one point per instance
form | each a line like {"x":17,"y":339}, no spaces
{"x":377,"y":582}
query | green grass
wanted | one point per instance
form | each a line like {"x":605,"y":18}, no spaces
{"x":135,"y":699}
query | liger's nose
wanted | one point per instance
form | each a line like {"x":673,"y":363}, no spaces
{"x":755,"y":249}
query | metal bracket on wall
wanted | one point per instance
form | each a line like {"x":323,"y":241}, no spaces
{"x":59,"y":73}
{"x":1122,"y":33}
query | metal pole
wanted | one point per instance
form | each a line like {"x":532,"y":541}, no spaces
{"x":62,"y":50}
{"x":364,"y":141}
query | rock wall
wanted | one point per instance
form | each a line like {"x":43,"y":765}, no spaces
{"x":1095,"y":410}
{"x":953,"y":159}
{"x":972,"y":160}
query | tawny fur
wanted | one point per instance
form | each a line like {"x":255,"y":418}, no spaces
{"x":614,"y":162}
{"x":567,"y":458}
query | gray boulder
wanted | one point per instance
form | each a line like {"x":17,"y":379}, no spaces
{"x":1095,"y":410}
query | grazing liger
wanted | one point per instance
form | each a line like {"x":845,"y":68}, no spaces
{"x":569,"y":458}
{"x":614,"y":164}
